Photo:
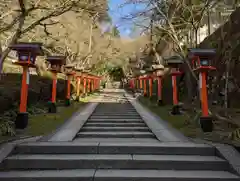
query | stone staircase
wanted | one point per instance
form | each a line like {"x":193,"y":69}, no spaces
{"x":115,"y":145}
{"x":114,"y":120}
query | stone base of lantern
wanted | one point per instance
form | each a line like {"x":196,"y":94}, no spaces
{"x":160,"y":102}
{"x":206,"y":123}
{"x":52,"y":108}
{"x":67,"y":102}
{"x":21,"y":121}
{"x":176,"y":110}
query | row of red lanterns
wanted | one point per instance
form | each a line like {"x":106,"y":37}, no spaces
{"x":27,"y":53}
{"x":201,"y":60}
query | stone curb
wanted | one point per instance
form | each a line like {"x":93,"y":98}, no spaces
{"x":162,"y":130}
{"x":7,"y":148}
{"x":68,"y":131}
{"x":226,"y":152}
{"x":83,"y":113}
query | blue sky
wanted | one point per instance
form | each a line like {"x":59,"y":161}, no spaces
{"x":117,"y":10}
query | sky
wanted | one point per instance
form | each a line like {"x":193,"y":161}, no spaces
{"x":117,"y":10}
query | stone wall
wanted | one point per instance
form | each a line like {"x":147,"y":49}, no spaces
{"x":226,"y":41}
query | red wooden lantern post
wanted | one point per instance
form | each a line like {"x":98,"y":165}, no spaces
{"x":132,"y":84}
{"x":69,"y":71}
{"x":150,"y":82}
{"x":56,"y":63}
{"x":174,"y":62}
{"x":145,"y":85}
{"x":92,"y":84}
{"x":159,"y":70}
{"x":201,"y":61}
{"x":89,"y":84}
{"x":84,"y":76}
{"x":95,"y":83}
{"x":27,"y":53}
{"x":150,"y":78}
{"x":78,"y":83}
{"x":137,"y":83}
{"x":141,"y":83}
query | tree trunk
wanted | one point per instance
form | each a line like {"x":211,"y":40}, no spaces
{"x":226,"y":87}
{"x":196,"y":37}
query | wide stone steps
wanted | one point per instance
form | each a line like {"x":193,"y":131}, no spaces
{"x":119,"y":124}
{"x":111,"y":120}
{"x":115,"y":144}
{"x":115,"y":134}
{"x":104,"y":129}
{"x":117,"y":140}
{"x":117,"y":175}
{"x":113,"y":161}
{"x":100,"y":147}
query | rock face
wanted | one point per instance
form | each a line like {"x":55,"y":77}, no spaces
{"x":226,"y":40}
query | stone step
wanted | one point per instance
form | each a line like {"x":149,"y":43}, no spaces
{"x":115,"y":110}
{"x":116,"y":161}
{"x":115,"y":117}
{"x":115,"y":106}
{"x":115,"y":134}
{"x":108,"y":124}
{"x":116,"y":140}
{"x":102,"y":129}
{"x":111,"y":119}
{"x":115,"y":147}
{"x":115,"y":121}
{"x":117,"y":175}
{"x":110,"y":110}
{"x":116,"y":114}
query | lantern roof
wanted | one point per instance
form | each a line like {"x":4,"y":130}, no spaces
{"x":56,"y":60}
{"x":33,"y":47}
{"x":202,"y":52}
{"x":173,"y":60}
{"x":142,"y":71}
{"x":158,"y":67}
{"x":149,"y":70}
{"x":78,"y":69}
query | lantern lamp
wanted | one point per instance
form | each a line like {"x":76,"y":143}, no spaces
{"x":201,"y":62}
{"x":143,"y":71}
{"x":55,"y":66}
{"x":69,"y":69}
{"x":78,"y":77}
{"x":56,"y":63}
{"x":201,"y":58}
{"x":78,"y":71}
{"x":27,"y":52}
{"x":174,"y":63}
{"x":159,"y":69}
